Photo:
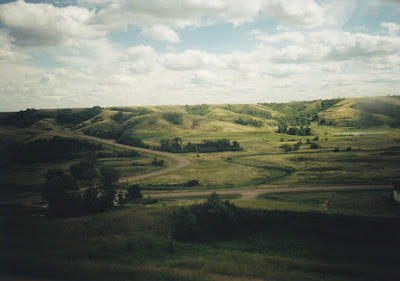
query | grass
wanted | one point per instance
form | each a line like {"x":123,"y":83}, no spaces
{"x":133,"y":242}
{"x":375,"y":203}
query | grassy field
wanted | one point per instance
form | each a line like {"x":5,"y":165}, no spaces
{"x":331,"y":236}
{"x":133,"y":242}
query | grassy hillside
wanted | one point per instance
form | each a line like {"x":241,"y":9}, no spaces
{"x":305,"y":236}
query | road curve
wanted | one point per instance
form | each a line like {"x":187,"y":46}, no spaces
{"x":248,"y":194}
{"x":182,"y":162}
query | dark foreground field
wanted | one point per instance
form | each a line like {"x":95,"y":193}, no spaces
{"x":134,"y":243}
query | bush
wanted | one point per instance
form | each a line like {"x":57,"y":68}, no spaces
{"x":129,"y":139}
{"x":248,"y":121}
{"x":134,"y":193}
{"x":192,"y":183}
{"x":286,"y":147}
{"x":158,"y":162}
{"x":314,"y":146}
{"x":173,"y":117}
{"x":201,"y":109}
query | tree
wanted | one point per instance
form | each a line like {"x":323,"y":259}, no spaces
{"x":108,"y":182}
{"x":282,"y":127}
{"x":108,"y":176}
{"x":134,"y":193}
{"x":118,"y":116}
{"x":59,"y":191}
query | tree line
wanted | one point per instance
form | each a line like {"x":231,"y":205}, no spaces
{"x":176,"y":145}
{"x":48,"y":150}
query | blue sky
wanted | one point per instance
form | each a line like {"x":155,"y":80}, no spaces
{"x":81,"y":53}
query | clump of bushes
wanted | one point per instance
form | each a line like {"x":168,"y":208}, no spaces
{"x":173,"y":117}
{"x":200,"y":109}
{"x":134,"y":193}
{"x":249,"y":121}
{"x":129,"y":139}
{"x":176,"y":145}
{"x":156,"y":162}
{"x":64,"y":197}
{"x":192,"y":183}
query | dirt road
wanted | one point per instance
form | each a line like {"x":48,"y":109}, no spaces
{"x":182,"y":162}
{"x":253,"y":193}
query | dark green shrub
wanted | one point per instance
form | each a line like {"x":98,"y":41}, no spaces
{"x":192,"y":183}
{"x":134,"y":193}
{"x":173,"y":117}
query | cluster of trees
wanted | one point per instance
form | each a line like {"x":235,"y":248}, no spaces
{"x":113,"y":154}
{"x":283,"y":128}
{"x":176,"y":145}
{"x":106,"y":131}
{"x":129,"y":138}
{"x":295,"y":147}
{"x":200,"y":109}
{"x":64,"y":198}
{"x":173,"y":117}
{"x":134,"y":111}
{"x":219,"y":220}
{"x":24,"y":118}
{"x":288,"y":147}
{"x":120,"y":117}
{"x":47,"y":150}
{"x":244,"y":120}
{"x":299,"y":113}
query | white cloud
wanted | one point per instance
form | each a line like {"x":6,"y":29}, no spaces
{"x":8,"y":51}
{"x":43,"y":24}
{"x":303,"y":13}
{"x":393,"y":28}
{"x":326,"y":46}
{"x":161,"y":33}
{"x":190,"y":59}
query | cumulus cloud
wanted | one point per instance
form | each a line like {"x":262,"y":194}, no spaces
{"x":393,"y":28}
{"x":327,"y":45}
{"x":43,"y":24}
{"x":8,"y":51}
{"x":161,"y":33}
{"x":303,"y":13}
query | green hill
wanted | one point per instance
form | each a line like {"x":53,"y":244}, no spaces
{"x":147,"y":121}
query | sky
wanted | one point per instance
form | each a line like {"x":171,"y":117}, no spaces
{"x":82,"y":53}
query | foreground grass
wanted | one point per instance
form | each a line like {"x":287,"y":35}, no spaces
{"x":133,"y":243}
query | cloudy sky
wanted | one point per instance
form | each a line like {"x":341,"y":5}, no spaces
{"x":81,"y":53}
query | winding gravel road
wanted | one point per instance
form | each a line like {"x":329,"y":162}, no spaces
{"x":182,"y":162}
